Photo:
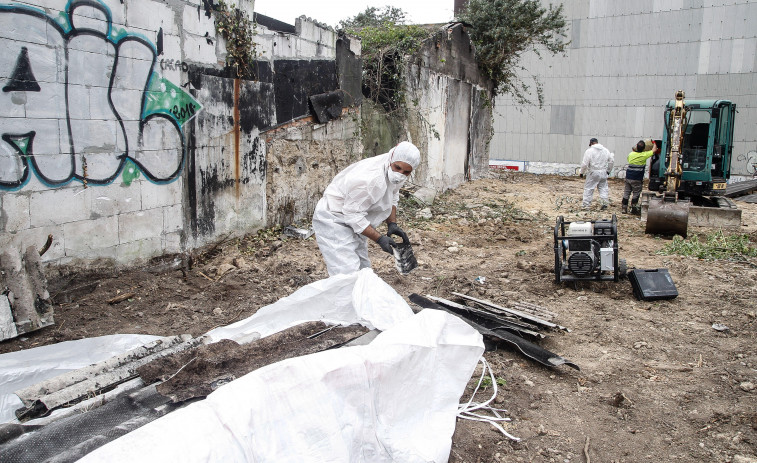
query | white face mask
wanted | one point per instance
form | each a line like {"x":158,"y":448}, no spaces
{"x":396,"y":178}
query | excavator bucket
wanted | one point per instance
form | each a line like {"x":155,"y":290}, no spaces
{"x":667,"y":216}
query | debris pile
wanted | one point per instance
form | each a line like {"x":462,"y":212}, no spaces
{"x":503,"y":324}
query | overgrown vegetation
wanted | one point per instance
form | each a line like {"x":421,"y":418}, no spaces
{"x":447,"y":206}
{"x":714,"y":246}
{"x":386,"y":43}
{"x":235,"y":26}
{"x":503,"y":30}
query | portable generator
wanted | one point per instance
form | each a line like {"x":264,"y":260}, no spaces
{"x":587,"y":250}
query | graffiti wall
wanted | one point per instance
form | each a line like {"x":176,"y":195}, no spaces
{"x":124,"y":135}
{"x":82,"y":101}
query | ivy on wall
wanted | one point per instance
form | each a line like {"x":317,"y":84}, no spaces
{"x":387,"y":44}
{"x":239,"y":32}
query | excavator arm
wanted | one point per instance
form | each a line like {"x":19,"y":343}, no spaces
{"x":668,"y":215}
{"x":677,"y":125}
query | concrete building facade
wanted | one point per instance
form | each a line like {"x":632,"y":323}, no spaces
{"x":624,"y":62}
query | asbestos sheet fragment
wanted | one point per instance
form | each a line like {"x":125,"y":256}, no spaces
{"x":25,"y":304}
{"x":200,"y":371}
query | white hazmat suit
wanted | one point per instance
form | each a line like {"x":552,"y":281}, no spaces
{"x":597,"y":164}
{"x":361,"y":195}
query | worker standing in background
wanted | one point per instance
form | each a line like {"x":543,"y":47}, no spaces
{"x":355,"y":203}
{"x":637,"y":164}
{"x":596,"y":165}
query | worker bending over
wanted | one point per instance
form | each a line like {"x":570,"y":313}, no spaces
{"x":596,"y":164}
{"x":355,"y":203}
{"x":637,"y":163}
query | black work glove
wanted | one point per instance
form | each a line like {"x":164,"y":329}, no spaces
{"x":387,"y":244}
{"x":394,"y":229}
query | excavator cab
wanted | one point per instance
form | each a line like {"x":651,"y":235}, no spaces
{"x":694,"y":161}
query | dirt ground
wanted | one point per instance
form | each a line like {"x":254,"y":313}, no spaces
{"x":657,"y":382}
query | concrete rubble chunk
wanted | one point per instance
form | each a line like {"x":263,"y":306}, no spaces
{"x":425,"y":195}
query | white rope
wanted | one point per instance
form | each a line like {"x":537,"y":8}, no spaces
{"x":465,"y":411}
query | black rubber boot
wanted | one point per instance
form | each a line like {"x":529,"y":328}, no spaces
{"x":625,"y":205}
{"x":635,"y":208}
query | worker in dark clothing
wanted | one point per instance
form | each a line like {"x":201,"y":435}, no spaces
{"x":637,"y":163}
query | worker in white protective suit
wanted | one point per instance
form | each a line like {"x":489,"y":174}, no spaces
{"x":596,"y":165}
{"x":355,"y":203}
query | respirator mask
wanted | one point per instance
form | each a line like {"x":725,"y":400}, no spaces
{"x":396,"y":178}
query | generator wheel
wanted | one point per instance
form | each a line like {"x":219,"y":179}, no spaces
{"x":622,"y":268}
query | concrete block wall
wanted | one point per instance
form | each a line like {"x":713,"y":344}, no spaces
{"x":625,"y":61}
{"x":122,"y":133}
{"x":302,"y":155}
{"x":311,"y":41}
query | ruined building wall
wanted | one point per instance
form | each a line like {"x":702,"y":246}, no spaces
{"x":305,"y":152}
{"x":124,"y":135}
{"x":449,"y":116}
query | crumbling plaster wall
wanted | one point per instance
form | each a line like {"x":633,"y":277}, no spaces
{"x":125,"y":137}
{"x":302,"y":160}
{"x":449,"y":115}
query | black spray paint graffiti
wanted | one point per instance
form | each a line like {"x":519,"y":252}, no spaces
{"x":174,"y":64}
{"x":81,"y":101}
{"x":750,"y":162}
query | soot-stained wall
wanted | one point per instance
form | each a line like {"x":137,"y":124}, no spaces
{"x":304,"y":154}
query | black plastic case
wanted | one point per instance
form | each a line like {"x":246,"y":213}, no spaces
{"x":652,"y":285}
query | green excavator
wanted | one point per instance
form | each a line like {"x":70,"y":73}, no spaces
{"x":694,"y":163}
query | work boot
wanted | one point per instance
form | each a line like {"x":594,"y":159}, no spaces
{"x":635,"y":208}
{"x":624,"y":207}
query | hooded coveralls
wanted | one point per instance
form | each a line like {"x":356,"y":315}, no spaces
{"x":597,"y":164}
{"x":359,"y":196}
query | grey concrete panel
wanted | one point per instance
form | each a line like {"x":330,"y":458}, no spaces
{"x":562,"y":119}
{"x":575,"y":34}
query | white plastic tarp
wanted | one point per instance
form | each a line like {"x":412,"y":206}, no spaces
{"x":24,"y":368}
{"x":394,"y":400}
{"x":360,"y":297}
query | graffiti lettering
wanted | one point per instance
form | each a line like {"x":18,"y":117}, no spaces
{"x":109,"y":109}
{"x":750,"y":162}
{"x":185,"y":112}
{"x":173,"y":65}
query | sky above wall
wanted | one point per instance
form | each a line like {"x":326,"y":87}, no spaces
{"x":330,"y":12}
